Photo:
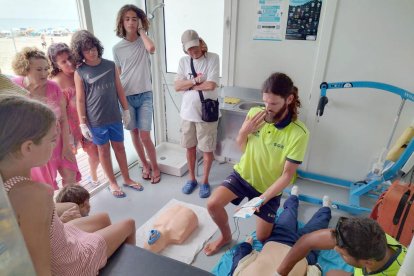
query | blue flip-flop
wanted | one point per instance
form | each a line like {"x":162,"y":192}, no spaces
{"x":204,"y":190}
{"x":112,"y":191}
{"x":136,"y":187}
{"x":189,"y":186}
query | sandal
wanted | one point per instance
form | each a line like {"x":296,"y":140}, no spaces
{"x":135,"y":186}
{"x":156,"y":179}
{"x":116,"y":193}
{"x":146,"y":175}
{"x":204,"y":190}
{"x":189,"y":186}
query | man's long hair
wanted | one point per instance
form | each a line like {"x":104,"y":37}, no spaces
{"x":280,"y":84}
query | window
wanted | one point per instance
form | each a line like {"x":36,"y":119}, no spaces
{"x":27,"y":23}
{"x":205,"y":17}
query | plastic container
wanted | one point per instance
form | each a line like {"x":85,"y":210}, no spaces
{"x":14,"y":257}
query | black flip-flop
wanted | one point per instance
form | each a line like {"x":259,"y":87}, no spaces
{"x":156,"y":179}
{"x":146,"y":176}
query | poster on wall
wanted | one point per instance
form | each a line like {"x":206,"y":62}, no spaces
{"x":268,"y":20}
{"x":303,"y":19}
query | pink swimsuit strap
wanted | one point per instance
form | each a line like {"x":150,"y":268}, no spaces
{"x":8,"y":185}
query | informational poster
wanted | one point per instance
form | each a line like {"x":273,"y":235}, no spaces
{"x":268,"y":20}
{"x":303,"y":19}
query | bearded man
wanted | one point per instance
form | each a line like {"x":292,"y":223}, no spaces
{"x":273,"y":142}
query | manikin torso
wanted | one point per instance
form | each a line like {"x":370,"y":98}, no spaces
{"x":174,"y":225}
{"x":268,"y":260}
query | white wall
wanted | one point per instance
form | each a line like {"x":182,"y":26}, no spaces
{"x":371,"y":40}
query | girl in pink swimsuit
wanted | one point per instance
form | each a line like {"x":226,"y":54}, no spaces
{"x":29,"y":134}
{"x":32,"y":67}
{"x":63,"y":69}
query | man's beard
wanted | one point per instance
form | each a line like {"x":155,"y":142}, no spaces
{"x":273,"y":118}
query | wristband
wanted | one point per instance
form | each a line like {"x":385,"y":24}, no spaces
{"x":194,"y":81}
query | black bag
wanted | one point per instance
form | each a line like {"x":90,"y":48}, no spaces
{"x":209,"y":107}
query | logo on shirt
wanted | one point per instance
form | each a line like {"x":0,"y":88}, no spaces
{"x":280,"y":146}
{"x":94,"y":79}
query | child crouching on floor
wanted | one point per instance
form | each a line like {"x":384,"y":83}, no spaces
{"x":75,"y":194}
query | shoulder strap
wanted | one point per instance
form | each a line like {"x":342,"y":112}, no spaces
{"x":400,"y":207}
{"x":200,"y":93}
{"x":404,"y":218}
{"x":8,"y":185}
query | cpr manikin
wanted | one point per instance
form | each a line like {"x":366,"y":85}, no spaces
{"x":268,"y":260}
{"x":173,"y":226}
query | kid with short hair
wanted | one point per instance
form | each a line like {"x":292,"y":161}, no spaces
{"x":98,"y":93}
{"x":75,"y":194}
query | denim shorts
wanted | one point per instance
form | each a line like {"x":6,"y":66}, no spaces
{"x":237,"y":185}
{"x":110,"y":132}
{"x":140,"y":107}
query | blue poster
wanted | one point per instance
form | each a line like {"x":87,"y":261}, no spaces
{"x":268,"y":20}
{"x":303,"y":19}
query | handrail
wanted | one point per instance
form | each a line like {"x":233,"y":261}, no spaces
{"x":404,"y":94}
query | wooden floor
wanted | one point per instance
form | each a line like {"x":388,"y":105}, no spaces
{"x":83,"y":165}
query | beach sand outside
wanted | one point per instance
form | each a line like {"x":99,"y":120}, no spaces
{"x":9,"y":46}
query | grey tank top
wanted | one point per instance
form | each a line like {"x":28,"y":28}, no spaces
{"x":101,"y":97}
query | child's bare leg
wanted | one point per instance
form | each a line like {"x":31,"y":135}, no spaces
{"x":150,"y":149}
{"x":118,"y":233}
{"x":92,"y":223}
{"x":120,"y":155}
{"x":136,"y":140}
{"x":105,"y":159}
{"x":68,"y":176}
{"x":93,"y":159}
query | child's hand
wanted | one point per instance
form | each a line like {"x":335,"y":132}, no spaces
{"x":126,"y":117}
{"x":70,"y":214}
{"x":86,"y":132}
{"x":67,"y":154}
{"x":140,"y":25}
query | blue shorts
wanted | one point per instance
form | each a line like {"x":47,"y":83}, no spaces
{"x":102,"y":134}
{"x":235,"y":183}
{"x":140,"y":107}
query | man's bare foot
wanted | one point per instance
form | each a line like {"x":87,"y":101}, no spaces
{"x":215,"y":246}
